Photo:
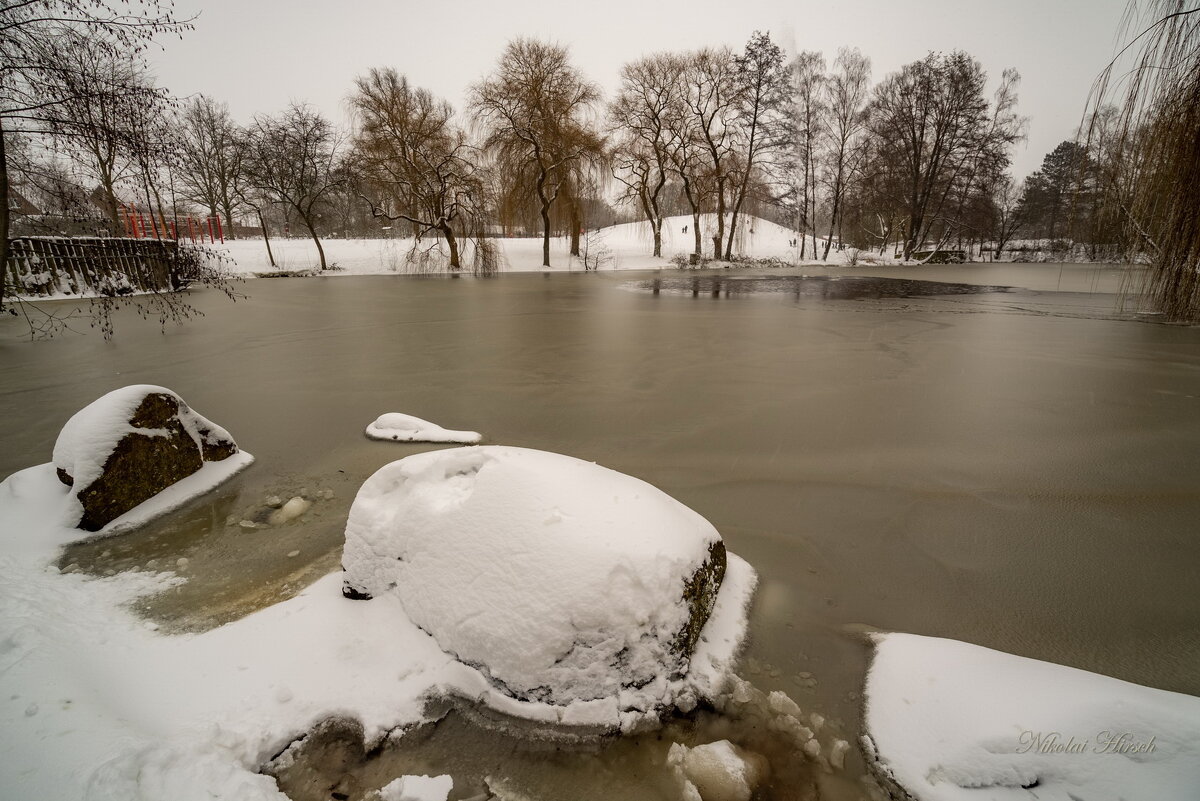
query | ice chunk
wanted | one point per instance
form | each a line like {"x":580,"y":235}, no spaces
{"x":417,"y":788}
{"x":719,"y":771}
{"x":290,"y":511}
{"x":406,"y":428}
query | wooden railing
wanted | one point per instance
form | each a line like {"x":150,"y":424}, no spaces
{"x":44,"y":266}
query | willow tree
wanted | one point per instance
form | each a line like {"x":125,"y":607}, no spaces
{"x":1159,"y":135}
{"x":414,"y":162}
{"x":536,"y":110}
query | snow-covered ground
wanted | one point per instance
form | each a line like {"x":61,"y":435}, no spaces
{"x":620,"y":247}
{"x":97,"y":704}
{"x":949,"y":721}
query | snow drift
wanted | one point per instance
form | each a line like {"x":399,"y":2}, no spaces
{"x":949,"y":721}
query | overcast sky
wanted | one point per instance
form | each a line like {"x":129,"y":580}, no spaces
{"x":259,"y":54}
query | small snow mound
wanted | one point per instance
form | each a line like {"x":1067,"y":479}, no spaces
{"x":417,"y":788}
{"x":406,"y":428}
{"x":562,"y":581}
{"x":719,"y":771}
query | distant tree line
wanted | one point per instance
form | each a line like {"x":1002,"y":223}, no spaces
{"x":919,"y":161}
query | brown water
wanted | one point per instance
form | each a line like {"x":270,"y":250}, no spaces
{"x":1017,"y":469}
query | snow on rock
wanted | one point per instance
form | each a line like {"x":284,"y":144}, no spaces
{"x":562,"y":581}
{"x":949,"y":721}
{"x":417,"y":788}
{"x":719,"y":771}
{"x":406,"y":428}
{"x":130,"y":445}
{"x":99,"y":705}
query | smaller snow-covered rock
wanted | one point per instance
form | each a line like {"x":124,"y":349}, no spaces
{"x":131,"y":444}
{"x":417,"y":788}
{"x":406,"y":428}
{"x":719,"y":771}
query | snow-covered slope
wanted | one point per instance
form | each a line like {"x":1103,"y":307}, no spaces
{"x":622,"y":247}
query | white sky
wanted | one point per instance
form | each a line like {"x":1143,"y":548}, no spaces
{"x":259,"y":54}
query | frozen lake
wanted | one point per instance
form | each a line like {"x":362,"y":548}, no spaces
{"x":1018,"y":469}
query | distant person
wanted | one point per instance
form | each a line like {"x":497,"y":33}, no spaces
{"x":685,"y":229}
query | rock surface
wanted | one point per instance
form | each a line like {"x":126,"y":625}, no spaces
{"x":130,"y":445}
{"x":557,"y":579}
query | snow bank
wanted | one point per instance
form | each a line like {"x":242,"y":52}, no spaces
{"x":406,"y":428}
{"x":627,"y":246}
{"x":560,"y":580}
{"x":949,"y":721}
{"x":98,"y":704}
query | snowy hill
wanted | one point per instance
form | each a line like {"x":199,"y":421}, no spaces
{"x":620,"y":247}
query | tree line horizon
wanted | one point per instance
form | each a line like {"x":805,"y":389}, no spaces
{"x":919,"y":160}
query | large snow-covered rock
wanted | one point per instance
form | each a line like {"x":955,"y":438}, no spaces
{"x":558,"y":579}
{"x":131,"y":444}
{"x":950,"y":721}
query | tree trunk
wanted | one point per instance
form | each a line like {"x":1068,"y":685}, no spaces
{"x":832,"y":221}
{"x":312,"y":230}
{"x":266,"y":236}
{"x":451,"y":243}
{"x":576,"y":223}
{"x":4,"y":215}
{"x":719,"y":236}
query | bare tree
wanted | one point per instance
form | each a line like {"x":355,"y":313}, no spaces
{"x":211,"y":149}
{"x":846,"y":91}
{"x":712,"y":95}
{"x":536,"y":113}
{"x":1009,"y":212}
{"x":764,"y":100}
{"x":415,"y":162}
{"x":933,"y":118}
{"x":808,"y":80}
{"x":292,"y":159}
{"x":686,"y":149}
{"x":34,"y":81}
{"x":639,"y":121}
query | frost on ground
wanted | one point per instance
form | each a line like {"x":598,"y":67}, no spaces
{"x":406,"y":428}
{"x":949,"y":721}
{"x":568,"y":591}
{"x":96,"y":704}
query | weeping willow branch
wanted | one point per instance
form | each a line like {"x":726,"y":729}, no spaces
{"x":1158,"y":141}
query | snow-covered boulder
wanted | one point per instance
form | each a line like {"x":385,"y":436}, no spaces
{"x":558,"y":579}
{"x":406,"y":428}
{"x":130,"y":445}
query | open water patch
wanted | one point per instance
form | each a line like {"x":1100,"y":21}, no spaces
{"x":821,"y":287}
